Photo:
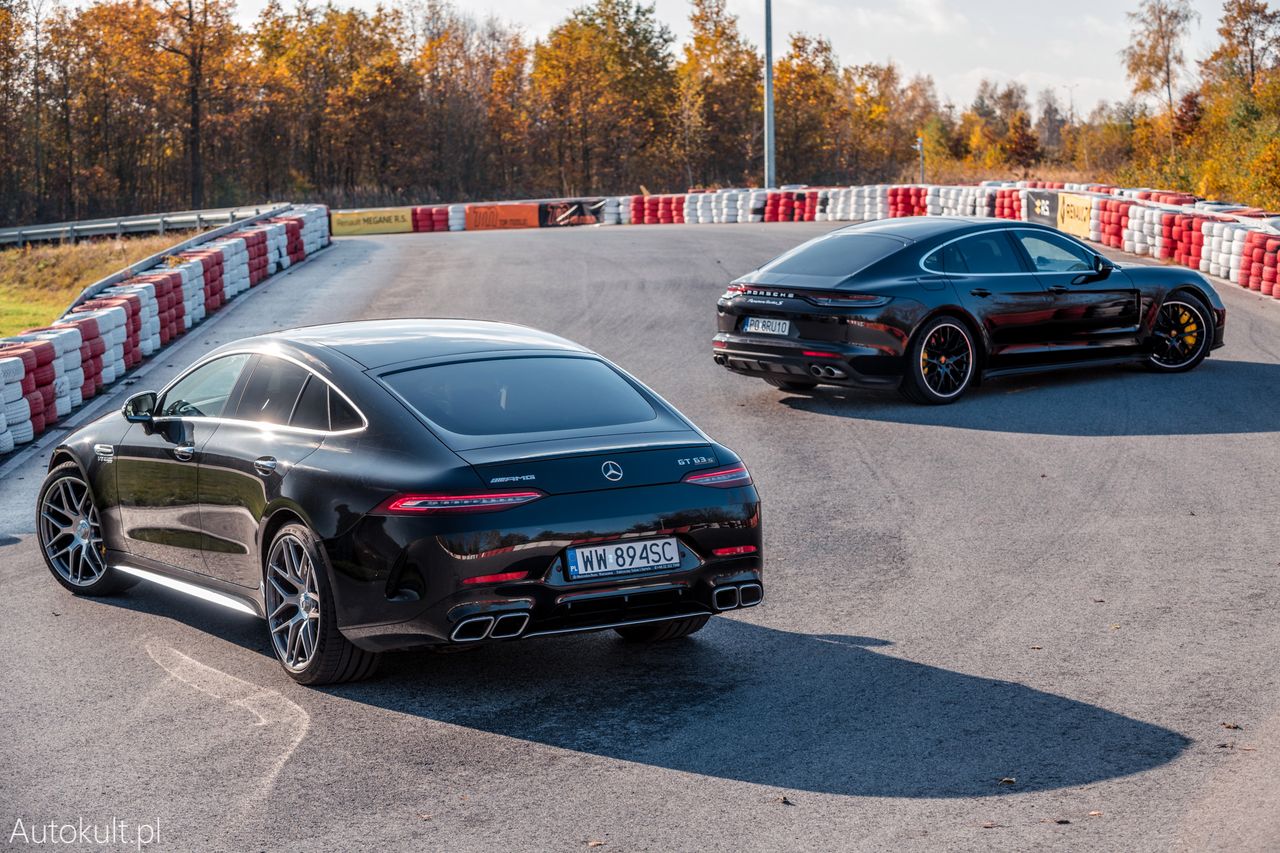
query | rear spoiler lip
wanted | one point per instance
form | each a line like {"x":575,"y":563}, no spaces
{"x":581,"y":446}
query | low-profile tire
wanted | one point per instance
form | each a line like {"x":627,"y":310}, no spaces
{"x":1181,"y":336}
{"x":660,"y":632}
{"x":941,"y":362}
{"x":302,"y":621}
{"x":69,"y":530}
{"x":791,"y":384}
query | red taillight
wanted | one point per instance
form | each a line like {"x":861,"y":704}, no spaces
{"x":721,"y":478}
{"x":499,"y":578}
{"x":482,"y":502}
{"x":847,"y":300}
{"x":719,"y":344}
{"x":736,"y":551}
{"x":733,"y":290}
{"x":813,"y":353}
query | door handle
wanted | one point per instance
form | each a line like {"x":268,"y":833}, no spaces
{"x":265,"y":465}
{"x":980,"y":291}
{"x":184,"y":452}
{"x":1059,"y":288}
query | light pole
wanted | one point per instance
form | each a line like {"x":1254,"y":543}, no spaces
{"x":770,"y":177}
{"x":919,"y":146}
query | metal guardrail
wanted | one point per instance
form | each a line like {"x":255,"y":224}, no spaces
{"x":157,"y":223}
{"x":148,"y":263}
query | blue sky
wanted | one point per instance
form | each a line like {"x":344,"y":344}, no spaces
{"x":1041,"y":44}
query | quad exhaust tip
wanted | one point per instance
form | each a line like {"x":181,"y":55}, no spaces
{"x":472,"y":630}
{"x":733,"y":597}
{"x":725,"y":598}
{"x":750,"y":594}
{"x":509,"y":626}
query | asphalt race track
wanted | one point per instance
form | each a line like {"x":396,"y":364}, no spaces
{"x":1023,"y":621}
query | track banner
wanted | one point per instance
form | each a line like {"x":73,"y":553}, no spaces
{"x":1073,"y":214}
{"x":382,"y":220}
{"x":572,"y":211}
{"x":489,"y":217}
{"x":1042,"y":207}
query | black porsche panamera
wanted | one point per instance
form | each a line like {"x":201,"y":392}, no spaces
{"x":932,"y":305}
{"x":378,"y":485}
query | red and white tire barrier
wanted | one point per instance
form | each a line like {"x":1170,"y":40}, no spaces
{"x":49,"y":371}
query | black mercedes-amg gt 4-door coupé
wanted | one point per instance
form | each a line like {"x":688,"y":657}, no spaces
{"x":379,"y":485}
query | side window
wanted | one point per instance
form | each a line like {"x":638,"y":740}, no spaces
{"x":1050,"y":253}
{"x":312,"y":411}
{"x":204,"y":391}
{"x":341,"y":415}
{"x":271,"y":391}
{"x":987,"y":253}
{"x":947,"y":259}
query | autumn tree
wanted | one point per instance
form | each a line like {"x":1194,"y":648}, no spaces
{"x":201,"y":35}
{"x":1250,"y":33}
{"x":1154,"y":57}
{"x":806,"y":91}
{"x":718,"y":113}
{"x":1020,"y":147}
{"x":603,"y":86}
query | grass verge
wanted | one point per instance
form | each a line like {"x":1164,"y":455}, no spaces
{"x":37,"y":283}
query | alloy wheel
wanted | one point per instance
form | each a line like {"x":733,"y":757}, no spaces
{"x":946,"y":359}
{"x":1178,"y":334}
{"x":70,"y":532}
{"x":293,"y":602}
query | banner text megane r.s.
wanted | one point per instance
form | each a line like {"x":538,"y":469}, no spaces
{"x":931,"y":305}
{"x":387,"y":484}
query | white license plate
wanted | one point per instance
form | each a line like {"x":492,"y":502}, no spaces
{"x":617,"y":558}
{"x":767,"y":326}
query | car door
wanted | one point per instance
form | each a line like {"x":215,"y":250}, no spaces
{"x":244,"y":464}
{"x":157,"y":465}
{"x":995,"y":285}
{"x":1096,"y":314}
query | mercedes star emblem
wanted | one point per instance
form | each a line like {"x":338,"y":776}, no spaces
{"x":612,"y":471}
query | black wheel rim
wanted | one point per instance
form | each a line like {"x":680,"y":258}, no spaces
{"x":946,"y":359}
{"x":1178,"y":334}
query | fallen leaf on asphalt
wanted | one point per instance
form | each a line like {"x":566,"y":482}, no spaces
{"x":425,"y":816}
{"x":1115,"y":627}
{"x":992,"y":825}
{"x":1036,"y":648}
{"x":1008,"y":780}
{"x":1248,"y":749}
{"x":1095,"y":814}
{"x":1192,"y":512}
{"x":1099,"y":601}
{"x":1232,"y":726}
{"x":594,"y":843}
{"x":1042,"y":476}
{"x":1226,"y":746}
{"x":783,"y":801}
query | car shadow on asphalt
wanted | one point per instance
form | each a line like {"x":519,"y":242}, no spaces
{"x":826,"y":714}
{"x":1217,"y":397}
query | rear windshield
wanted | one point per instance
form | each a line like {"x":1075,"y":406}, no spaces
{"x":836,"y":256}
{"x":521,"y":395}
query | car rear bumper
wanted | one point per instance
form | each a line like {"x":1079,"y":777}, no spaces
{"x":808,"y":361}
{"x":525,"y":610}
{"x":400,"y":582}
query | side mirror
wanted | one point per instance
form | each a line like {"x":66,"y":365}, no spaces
{"x":1101,"y":264}
{"x":140,"y":408}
